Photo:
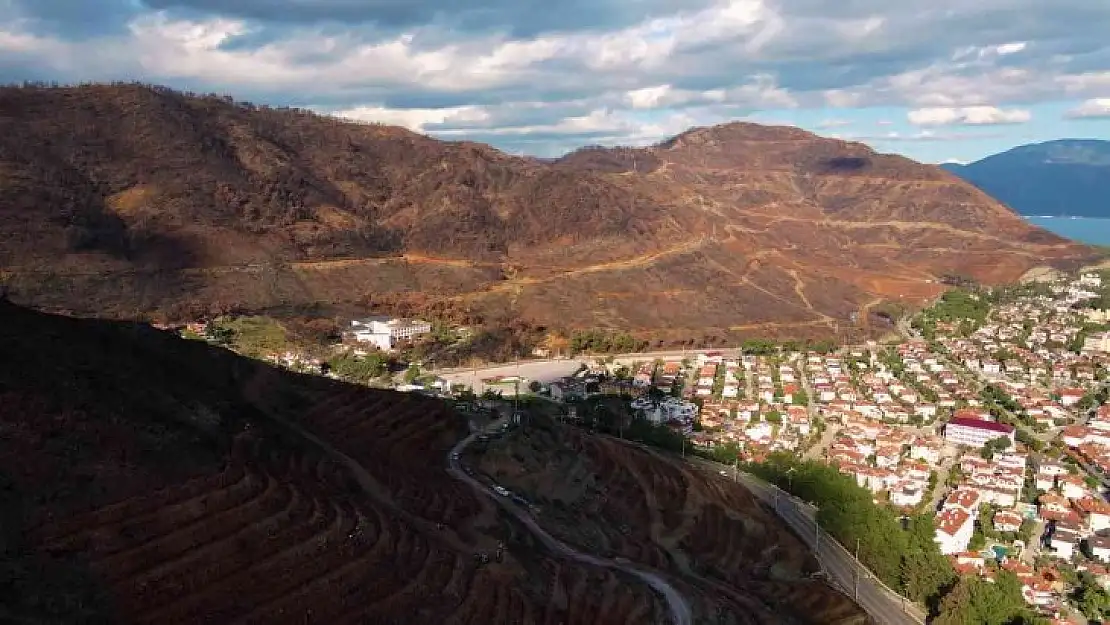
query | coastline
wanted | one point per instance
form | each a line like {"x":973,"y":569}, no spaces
{"x":1087,"y":230}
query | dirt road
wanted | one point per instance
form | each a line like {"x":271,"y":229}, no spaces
{"x":679,"y":607}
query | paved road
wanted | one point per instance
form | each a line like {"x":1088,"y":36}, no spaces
{"x":542,"y":370}
{"x":552,"y":369}
{"x":623,"y":358}
{"x":884,"y":605}
{"x":679,"y":607}
{"x":941,"y":488}
{"x":819,"y":449}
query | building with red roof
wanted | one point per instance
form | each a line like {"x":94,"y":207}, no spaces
{"x":976,"y":432}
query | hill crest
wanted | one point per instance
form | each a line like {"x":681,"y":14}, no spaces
{"x":126,"y":198}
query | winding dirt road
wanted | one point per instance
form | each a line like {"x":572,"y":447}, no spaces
{"x":679,"y":607}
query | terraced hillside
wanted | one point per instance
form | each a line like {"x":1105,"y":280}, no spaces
{"x":148,"y":479}
{"x":629,"y":502}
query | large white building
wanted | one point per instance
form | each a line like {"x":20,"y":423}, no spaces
{"x":384,"y":334}
{"x":976,"y":432}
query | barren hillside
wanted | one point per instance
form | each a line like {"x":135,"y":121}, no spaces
{"x":125,"y":198}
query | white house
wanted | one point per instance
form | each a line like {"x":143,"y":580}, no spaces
{"x":921,"y":450}
{"x":907,"y":493}
{"x":954,"y":528}
{"x":1097,"y":512}
{"x":1063,"y":543}
{"x":1046,"y":482}
{"x":1100,"y":547}
{"x":1007,"y":521}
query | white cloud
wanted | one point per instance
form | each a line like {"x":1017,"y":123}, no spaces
{"x":1085,"y":82}
{"x":967,"y":116}
{"x":414,"y":119}
{"x":651,"y":97}
{"x":1094,"y":108}
{"x":632,"y":71}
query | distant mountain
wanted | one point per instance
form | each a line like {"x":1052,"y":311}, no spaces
{"x":1066,"y":177}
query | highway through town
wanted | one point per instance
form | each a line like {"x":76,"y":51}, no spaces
{"x":676,"y":603}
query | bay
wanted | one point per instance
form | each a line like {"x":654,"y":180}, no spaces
{"x":1092,"y":230}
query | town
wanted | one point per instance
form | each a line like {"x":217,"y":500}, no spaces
{"x":988,"y":412}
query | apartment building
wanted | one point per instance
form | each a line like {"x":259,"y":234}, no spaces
{"x":975,"y":432}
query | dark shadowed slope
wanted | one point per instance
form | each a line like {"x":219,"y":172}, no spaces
{"x":149,"y":479}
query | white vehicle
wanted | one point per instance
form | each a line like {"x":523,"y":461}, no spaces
{"x":500,"y":490}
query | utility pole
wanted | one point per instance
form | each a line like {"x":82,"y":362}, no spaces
{"x":816,"y":533}
{"x":857,"y":571}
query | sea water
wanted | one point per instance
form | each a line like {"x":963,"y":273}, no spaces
{"x":1091,"y":230}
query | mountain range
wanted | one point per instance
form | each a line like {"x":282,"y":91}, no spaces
{"x":1067,"y":177}
{"x":125,"y":200}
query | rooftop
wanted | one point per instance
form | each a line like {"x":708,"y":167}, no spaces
{"x":1001,"y":428}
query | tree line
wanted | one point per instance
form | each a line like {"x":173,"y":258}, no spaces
{"x":901,"y":552}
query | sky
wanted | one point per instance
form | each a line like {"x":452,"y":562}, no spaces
{"x":936,"y":80}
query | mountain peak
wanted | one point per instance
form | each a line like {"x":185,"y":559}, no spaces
{"x":707,"y":136}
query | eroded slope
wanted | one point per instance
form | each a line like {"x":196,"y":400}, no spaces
{"x":123,"y":199}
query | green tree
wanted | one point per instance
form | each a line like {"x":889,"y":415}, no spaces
{"x":993,"y":446}
{"x":412,"y":374}
{"x":924,"y":569}
{"x":219,"y":334}
{"x":976,"y":601}
{"x":359,"y":369}
{"x":978,"y":540}
{"x":844,"y":510}
{"x":1092,"y":598}
{"x":758,"y":347}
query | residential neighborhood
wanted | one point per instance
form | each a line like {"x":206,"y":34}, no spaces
{"x":989,"y":412}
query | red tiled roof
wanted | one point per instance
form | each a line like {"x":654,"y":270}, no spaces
{"x":951,"y":520}
{"x":982,"y":425}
